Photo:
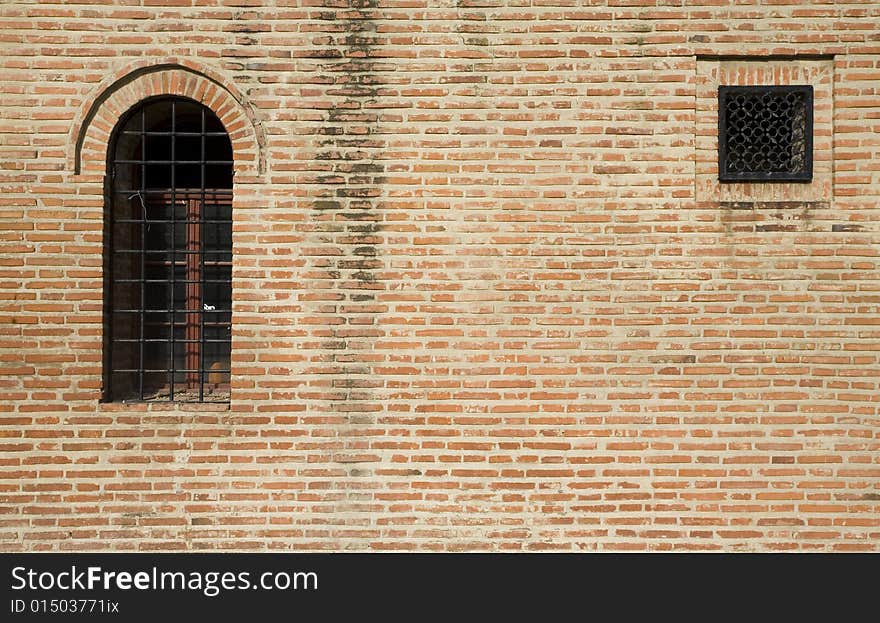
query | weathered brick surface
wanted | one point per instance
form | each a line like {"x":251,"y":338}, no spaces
{"x":487,"y":295}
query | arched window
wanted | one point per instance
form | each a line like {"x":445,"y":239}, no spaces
{"x":169,"y":255}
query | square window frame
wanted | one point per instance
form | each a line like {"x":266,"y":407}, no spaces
{"x":753,"y":176}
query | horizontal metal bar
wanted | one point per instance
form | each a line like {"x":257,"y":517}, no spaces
{"x":167,"y":370}
{"x":170,"y":133}
{"x":217,"y":324}
{"x":181,"y":192}
{"x":187,"y":312}
{"x":219,"y":265}
{"x":181,"y":252}
{"x":155,"y":340}
{"x":172,"y":311}
{"x":194,"y":191}
{"x":179,"y":221}
{"x":214,"y":322}
{"x":176,"y":281}
{"x":220,"y":397}
{"x":170,"y":162}
{"x":176,"y":252}
{"x":168,"y":340}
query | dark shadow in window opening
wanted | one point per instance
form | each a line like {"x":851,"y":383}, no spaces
{"x":169,"y":255}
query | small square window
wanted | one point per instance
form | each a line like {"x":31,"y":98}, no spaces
{"x":765,"y":133}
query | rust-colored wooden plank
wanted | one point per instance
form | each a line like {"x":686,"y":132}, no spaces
{"x":192,"y":332}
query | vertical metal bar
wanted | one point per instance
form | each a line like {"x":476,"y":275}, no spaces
{"x":173,"y":264}
{"x":143,"y":253}
{"x":202,"y":266}
{"x":110,"y":249}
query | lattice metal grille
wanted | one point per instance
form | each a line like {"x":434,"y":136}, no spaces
{"x":765,"y":133}
{"x":170,"y":256}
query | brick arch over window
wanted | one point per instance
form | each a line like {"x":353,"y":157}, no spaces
{"x":99,"y":114}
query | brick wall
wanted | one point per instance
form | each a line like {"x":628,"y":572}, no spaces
{"x":488,"y":293}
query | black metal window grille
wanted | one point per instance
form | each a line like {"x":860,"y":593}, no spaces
{"x":765,"y":133}
{"x":169,"y":256}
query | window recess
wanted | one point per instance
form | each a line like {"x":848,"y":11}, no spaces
{"x":169,"y":289}
{"x":765,"y":133}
